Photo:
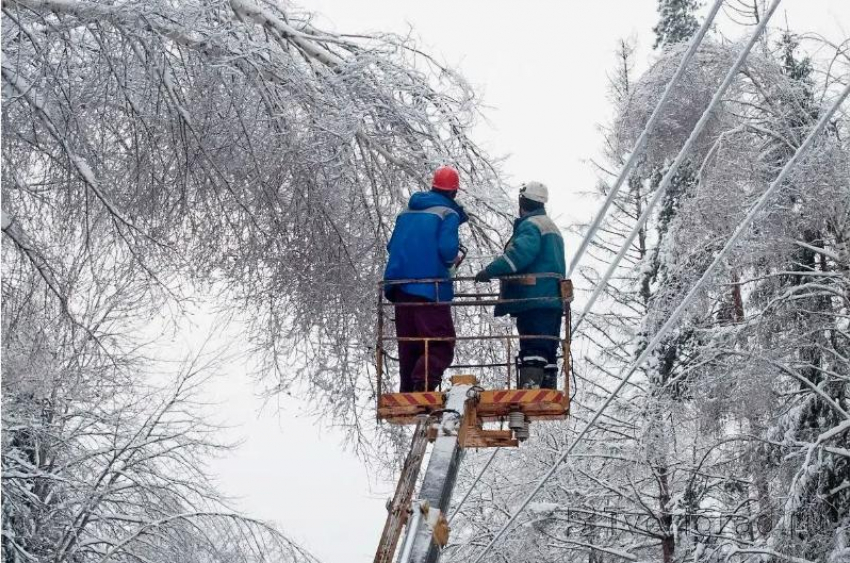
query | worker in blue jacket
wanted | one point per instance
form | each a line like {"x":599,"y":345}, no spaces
{"x":536,"y":247}
{"x":425,"y":245}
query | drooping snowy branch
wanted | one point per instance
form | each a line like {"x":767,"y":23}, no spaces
{"x":233,"y":145}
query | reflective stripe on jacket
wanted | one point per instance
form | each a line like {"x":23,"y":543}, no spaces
{"x":423,"y":245}
{"x":535,"y":247}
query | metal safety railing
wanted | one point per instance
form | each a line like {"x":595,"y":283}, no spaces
{"x":483,"y":300}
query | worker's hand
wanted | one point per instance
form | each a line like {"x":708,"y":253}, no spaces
{"x":461,"y":254}
{"x":482,"y":276}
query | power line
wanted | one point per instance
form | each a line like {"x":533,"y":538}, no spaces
{"x":641,"y":142}
{"x":624,"y":173}
{"x":475,"y":482}
{"x":680,"y":158}
{"x":745,"y":224}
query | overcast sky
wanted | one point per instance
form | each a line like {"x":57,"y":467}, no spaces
{"x":542,"y":69}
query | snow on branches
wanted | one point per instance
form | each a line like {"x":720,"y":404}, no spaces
{"x":160,"y":152}
{"x":730,"y":444}
{"x":235,"y":146}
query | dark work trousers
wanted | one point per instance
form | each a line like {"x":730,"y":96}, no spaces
{"x":539,"y":322}
{"x":423,"y":321}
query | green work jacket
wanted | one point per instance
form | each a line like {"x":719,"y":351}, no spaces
{"x":535,"y":247}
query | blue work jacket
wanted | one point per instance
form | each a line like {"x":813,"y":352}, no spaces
{"x":424,"y":245}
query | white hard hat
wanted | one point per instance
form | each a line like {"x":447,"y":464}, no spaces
{"x":535,"y":191}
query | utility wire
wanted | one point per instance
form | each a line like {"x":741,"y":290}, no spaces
{"x":472,"y":487}
{"x":680,"y":158}
{"x":743,"y":226}
{"x":641,"y":142}
{"x":624,"y":173}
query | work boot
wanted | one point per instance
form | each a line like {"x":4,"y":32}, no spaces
{"x":550,"y":377}
{"x":530,"y":372}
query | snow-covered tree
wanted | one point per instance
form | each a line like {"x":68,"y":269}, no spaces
{"x":729,"y":444}
{"x":677,"y":21}
{"x":99,"y":463}
{"x":158,"y":153}
{"x":233,"y":146}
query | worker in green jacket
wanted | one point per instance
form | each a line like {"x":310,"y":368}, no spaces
{"x":536,"y":247}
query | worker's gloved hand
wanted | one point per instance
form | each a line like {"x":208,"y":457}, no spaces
{"x":482,"y":276}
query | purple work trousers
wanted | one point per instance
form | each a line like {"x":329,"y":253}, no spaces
{"x":423,"y":321}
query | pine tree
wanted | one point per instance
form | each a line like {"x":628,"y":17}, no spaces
{"x":677,"y":21}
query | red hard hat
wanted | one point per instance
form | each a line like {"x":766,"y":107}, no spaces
{"x":446,"y":178}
